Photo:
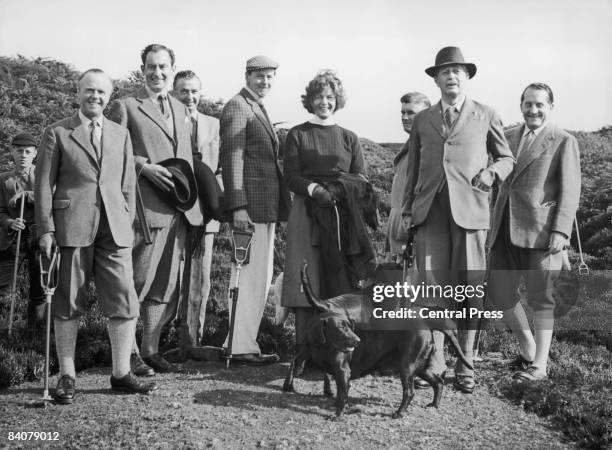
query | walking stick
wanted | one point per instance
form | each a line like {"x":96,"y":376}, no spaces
{"x":48,"y":279}
{"x":16,"y":268}
{"x":241,"y":243}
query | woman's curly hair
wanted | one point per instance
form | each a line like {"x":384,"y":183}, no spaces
{"x":325,"y":78}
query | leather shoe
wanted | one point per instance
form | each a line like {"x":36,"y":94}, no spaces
{"x":130,"y":385}
{"x":160,"y":364}
{"x":64,"y":392}
{"x":519,"y":363}
{"x":139,"y":367}
{"x":465,"y":383}
{"x":255,"y":359}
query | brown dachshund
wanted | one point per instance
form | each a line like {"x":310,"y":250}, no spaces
{"x":408,"y":349}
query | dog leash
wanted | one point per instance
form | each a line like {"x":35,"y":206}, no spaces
{"x":337,"y":226}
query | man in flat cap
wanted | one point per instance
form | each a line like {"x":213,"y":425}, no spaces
{"x":85,"y":206}
{"x":457,"y":153}
{"x":256,"y":197}
{"x":160,"y":128}
{"x":17,"y":186}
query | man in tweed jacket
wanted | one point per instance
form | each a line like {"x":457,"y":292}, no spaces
{"x":531,"y":225}
{"x":256,"y":197}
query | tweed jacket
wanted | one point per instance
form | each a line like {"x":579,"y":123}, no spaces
{"x":9,"y":182}
{"x":72,"y":186}
{"x":252,"y":174}
{"x":437,"y":155}
{"x":543,"y":191}
{"x":206,"y":144}
{"x":153,"y":142}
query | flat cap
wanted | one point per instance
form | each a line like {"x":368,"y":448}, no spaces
{"x":24,"y":140}
{"x":261,"y":62}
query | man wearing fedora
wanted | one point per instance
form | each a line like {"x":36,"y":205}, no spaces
{"x":255,"y":195}
{"x":84,"y":205}
{"x":532,"y":223}
{"x":447,"y":194}
{"x":187,"y":89}
{"x":160,"y":129}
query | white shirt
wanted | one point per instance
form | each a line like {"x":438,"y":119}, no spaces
{"x":526,"y":131}
{"x":85,"y":121}
{"x":155,"y":95}
{"x":325,"y":122}
{"x":458,"y":105}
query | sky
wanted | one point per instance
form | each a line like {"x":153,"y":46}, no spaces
{"x":379,"y":49}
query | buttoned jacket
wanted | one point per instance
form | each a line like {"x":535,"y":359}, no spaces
{"x":436,"y":155}
{"x":252,"y":174}
{"x":73,"y":186}
{"x":153,"y":141}
{"x":543,"y":191}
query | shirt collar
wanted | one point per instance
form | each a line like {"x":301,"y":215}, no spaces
{"x":154,"y":95}
{"x":536,"y":131}
{"x":325,"y":122}
{"x":85,"y":121}
{"x":257,"y":98}
{"x":457,"y":105}
{"x":25,"y":173}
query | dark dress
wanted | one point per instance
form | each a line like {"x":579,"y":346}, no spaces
{"x":311,"y":150}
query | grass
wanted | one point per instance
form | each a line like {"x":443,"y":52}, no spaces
{"x":577,"y":396}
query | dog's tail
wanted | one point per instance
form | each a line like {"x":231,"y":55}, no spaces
{"x":452,"y":335}
{"x":312,"y":299}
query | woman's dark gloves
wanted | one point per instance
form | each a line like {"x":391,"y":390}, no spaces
{"x":322,"y":196}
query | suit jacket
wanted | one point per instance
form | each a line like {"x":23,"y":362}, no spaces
{"x":206,"y":137}
{"x":252,"y":175}
{"x":153,"y":142}
{"x":543,"y":191}
{"x":456,"y":156}
{"x":72,"y":187}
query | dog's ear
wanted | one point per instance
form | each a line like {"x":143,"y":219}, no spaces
{"x":316,"y":333}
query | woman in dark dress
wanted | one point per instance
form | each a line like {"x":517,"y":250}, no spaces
{"x":314,"y":148}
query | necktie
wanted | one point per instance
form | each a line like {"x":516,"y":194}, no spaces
{"x":163,"y":106}
{"x":449,"y":116}
{"x":263,"y":108}
{"x":527,"y":141}
{"x":95,"y":138}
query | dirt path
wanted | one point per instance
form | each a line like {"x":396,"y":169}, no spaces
{"x":211,"y":407}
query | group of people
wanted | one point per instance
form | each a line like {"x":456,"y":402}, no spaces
{"x":118,"y":198}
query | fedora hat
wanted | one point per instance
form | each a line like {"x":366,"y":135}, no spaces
{"x":184,"y":193}
{"x":448,"y":56}
{"x":209,"y":192}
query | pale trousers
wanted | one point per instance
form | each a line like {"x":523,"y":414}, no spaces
{"x":255,"y":281}
{"x":199,"y":290}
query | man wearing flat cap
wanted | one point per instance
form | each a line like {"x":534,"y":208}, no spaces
{"x":457,"y":153}
{"x":85,"y":207}
{"x":160,"y":128}
{"x":256,"y":197}
{"x":17,"y":187}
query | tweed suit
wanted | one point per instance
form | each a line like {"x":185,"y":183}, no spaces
{"x":253,"y":180}
{"x":158,"y":267}
{"x":89,"y":205}
{"x":539,"y":197}
{"x":450,"y":215}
